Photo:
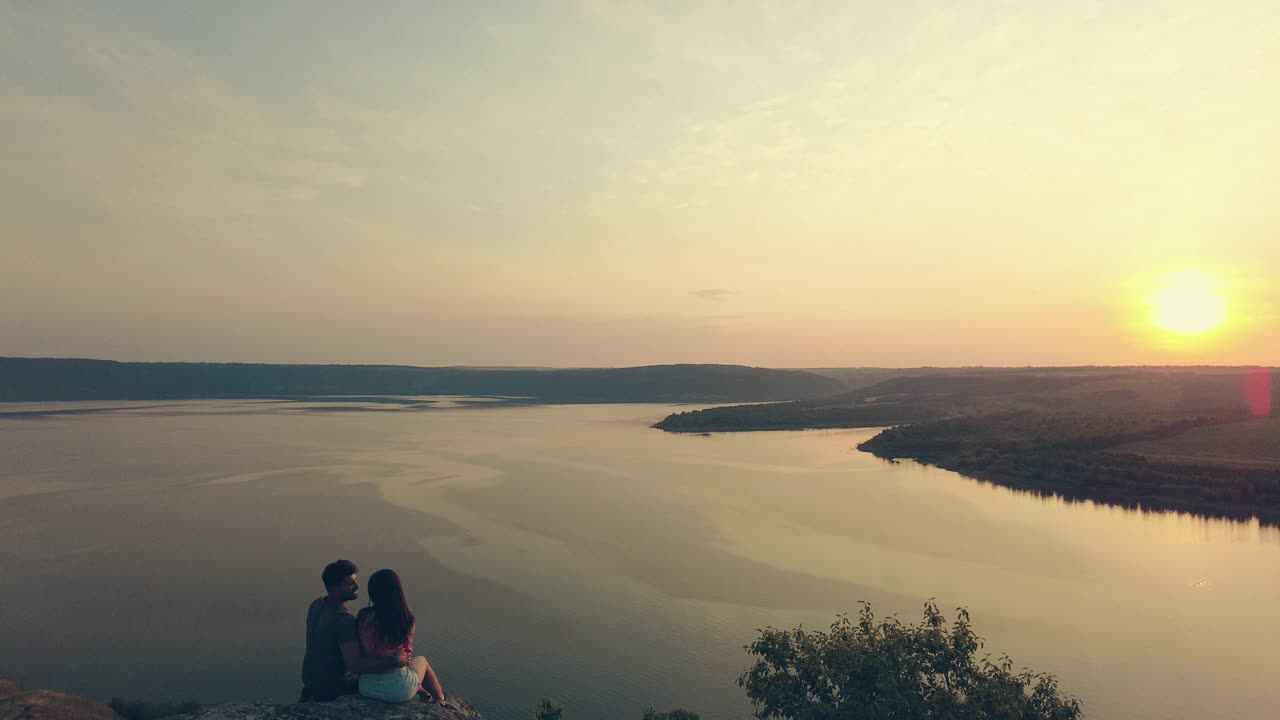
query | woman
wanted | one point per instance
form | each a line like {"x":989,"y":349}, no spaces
{"x":386,"y":629}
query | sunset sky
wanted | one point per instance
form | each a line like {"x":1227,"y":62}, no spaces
{"x":789,"y":184}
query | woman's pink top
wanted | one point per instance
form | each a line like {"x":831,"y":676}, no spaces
{"x":371,"y":643}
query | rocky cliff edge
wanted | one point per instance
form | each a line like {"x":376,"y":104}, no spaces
{"x":19,"y":704}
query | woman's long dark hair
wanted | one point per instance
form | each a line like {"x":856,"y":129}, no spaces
{"x":390,"y":609}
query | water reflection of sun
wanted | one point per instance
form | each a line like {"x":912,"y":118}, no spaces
{"x":1188,"y":303}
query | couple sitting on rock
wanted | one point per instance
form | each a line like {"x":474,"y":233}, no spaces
{"x":372,"y":653}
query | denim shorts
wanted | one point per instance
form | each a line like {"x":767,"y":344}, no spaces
{"x":393,"y":686}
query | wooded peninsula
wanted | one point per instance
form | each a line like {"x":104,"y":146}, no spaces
{"x":1197,"y":440}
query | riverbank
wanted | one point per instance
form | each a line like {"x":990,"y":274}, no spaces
{"x":1075,"y":457}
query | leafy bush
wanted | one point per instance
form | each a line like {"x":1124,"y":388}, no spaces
{"x":677,"y":714}
{"x":877,"y":670}
{"x":548,"y":709}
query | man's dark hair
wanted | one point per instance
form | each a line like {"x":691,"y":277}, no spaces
{"x":335,"y":571}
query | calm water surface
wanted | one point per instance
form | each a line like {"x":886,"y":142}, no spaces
{"x":170,"y":550}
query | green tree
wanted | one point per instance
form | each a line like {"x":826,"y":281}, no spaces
{"x":677,"y":714}
{"x":548,"y":709}
{"x":880,"y":669}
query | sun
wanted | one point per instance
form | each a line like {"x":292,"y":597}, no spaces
{"x":1188,"y":303}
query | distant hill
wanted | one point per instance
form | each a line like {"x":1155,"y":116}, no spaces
{"x":40,"y":379}
{"x":915,"y":396}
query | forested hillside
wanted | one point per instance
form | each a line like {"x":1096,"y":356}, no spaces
{"x":1199,"y":440}
{"x":37,"y":379}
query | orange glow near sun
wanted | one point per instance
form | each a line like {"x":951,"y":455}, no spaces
{"x":1188,"y":303}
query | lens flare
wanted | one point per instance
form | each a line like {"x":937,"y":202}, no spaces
{"x":1257,"y":391}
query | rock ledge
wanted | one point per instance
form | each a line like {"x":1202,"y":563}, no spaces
{"x":17,"y":704}
{"x":345,"y":708}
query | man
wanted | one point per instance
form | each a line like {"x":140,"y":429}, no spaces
{"x":333,"y":658}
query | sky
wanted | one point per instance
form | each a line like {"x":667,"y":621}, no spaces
{"x":608,"y":183}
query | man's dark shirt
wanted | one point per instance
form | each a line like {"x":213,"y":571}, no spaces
{"x":329,"y":625}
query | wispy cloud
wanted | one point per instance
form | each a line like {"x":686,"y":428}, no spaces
{"x":177,"y":142}
{"x":713,"y":294}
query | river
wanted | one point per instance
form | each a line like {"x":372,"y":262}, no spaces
{"x":169,"y":550}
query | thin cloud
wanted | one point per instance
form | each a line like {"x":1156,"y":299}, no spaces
{"x":713,"y":294}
